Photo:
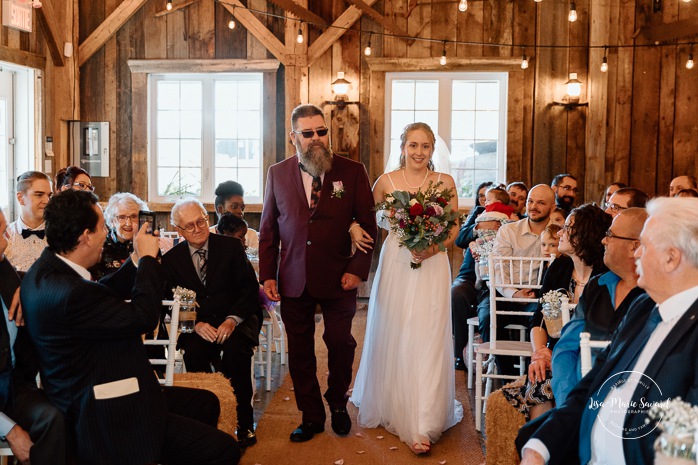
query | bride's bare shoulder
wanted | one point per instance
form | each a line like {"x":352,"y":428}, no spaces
{"x":447,"y":179}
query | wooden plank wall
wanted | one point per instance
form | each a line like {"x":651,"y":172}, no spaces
{"x":638,"y":128}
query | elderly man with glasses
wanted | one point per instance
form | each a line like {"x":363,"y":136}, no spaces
{"x":216,"y":268}
{"x":565,"y":188}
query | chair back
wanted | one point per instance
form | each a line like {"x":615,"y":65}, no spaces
{"x":513,"y":273}
{"x":585,"y":346}
{"x":170,"y":343}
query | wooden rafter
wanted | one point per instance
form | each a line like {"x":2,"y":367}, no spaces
{"x":385,"y":22}
{"x":47,"y":21}
{"x":670,"y":31}
{"x":107,"y":29}
{"x":301,"y":12}
{"x":334,"y":32}
{"x":257,"y":29}
{"x":176,"y":7}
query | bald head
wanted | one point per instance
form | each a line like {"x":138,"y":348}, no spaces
{"x":632,"y":220}
{"x":540,"y":202}
{"x":681,"y":182}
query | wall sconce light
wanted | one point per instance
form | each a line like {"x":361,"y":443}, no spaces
{"x":340,"y":88}
{"x":574,"y":90}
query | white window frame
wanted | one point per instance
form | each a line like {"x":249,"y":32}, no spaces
{"x":445,"y":99}
{"x":208,"y":132}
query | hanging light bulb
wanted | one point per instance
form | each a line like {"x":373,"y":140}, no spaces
{"x":687,"y":1}
{"x":537,"y":1}
{"x":604,"y":63}
{"x":689,"y":63}
{"x":367,"y":50}
{"x":169,"y":5}
{"x":231,"y":23}
{"x":573,"y":13}
{"x":37,"y":4}
{"x":299,"y":38}
{"x":442,"y":61}
{"x":463,"y":5}
{"x":524,"y":61}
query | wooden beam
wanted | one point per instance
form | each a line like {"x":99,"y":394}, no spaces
{"x":202,"y":66}
{"x":20,"y":57}
{"x":47,"y":21}
{"x":432,"y":64}
{"x":107,"y":29}
{"x":671,"y":31}
{"x":385,"y":22}
{"x":301,"y":12}
{"x":338,"y":28}
{"x":176,"y":7}
{"x":257,"y":29}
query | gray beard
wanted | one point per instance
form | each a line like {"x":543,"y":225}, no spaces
{"x":317,"y":160}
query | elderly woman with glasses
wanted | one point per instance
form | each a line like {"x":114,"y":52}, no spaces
{"x":121,"y":217}
{"x":73,"y":177}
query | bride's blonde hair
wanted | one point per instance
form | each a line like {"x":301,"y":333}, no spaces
{"x":403,"y":140}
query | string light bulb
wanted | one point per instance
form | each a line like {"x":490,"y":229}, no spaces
{"x":537,"y":1}
{"x":37,"y":4}
{"x":687,"y":1}
{"x":604,"y":63}
{"x":572,"y":17}
{"x":524,"y":60}
{"x":367,"y":50}
{"x":299,"y":38}
{"x":231,"y":23}
{"x":169,"y":5}
{"x":442,"y":61}
{"x":463,"y":5}
{"x":689,"y":63}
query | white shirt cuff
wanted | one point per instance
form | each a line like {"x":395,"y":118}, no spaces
{"x":237,"y":319}
{"x":507,"y":292}
{"x":538,"y":446}
{"x":6,"y":424}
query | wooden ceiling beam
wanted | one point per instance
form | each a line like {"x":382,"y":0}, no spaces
{"x":107,"y":29}
{"x":334,"y":32}
{"x":671,"y":31}
{"x":257,"y":29}
{"x":385,"y":22}
{"x":47,"y":21}
{"x":20,"y":57}
{"x":301,"y":12}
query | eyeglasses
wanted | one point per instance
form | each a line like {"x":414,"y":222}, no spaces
{"x":615,"y":208}
{"x":124,"y":218}
{"x":308,"y":133}
{"x":567,"y":187}
{"x":84,"y":187}
{"x":610,"y":235}
{"x":191,"y":227}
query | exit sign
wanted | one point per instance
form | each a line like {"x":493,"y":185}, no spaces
{"x":17,"y":14}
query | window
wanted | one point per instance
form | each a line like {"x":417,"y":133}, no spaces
{"x":205,"y":129}
{"x":468,"y":111}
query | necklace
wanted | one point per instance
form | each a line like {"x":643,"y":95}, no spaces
{"x":411,"y":186}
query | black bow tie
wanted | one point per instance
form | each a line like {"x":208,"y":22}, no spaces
{"x":28,"y":232}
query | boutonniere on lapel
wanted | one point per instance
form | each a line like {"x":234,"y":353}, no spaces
{"x":337,"y":189}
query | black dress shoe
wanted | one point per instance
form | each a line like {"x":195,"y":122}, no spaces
{"x":246,"y":437}
{"x":306,"y":431}
{"x":460,"y":364}
{"x":341,"y":423}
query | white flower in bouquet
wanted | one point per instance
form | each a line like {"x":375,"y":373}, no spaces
{"x":675,"y":416}
{"x":552,"y":297}
{"x":183,"y":294}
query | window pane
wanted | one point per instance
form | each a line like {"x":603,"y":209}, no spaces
{"x":226,"y":95}
{"x":487,"y":125}
{"x":249,"y":95}
{"x":464,"y":182}
{"x":488,"y":96}
{"x":251,"y":181}
{"x":168,"y":152}
{"x":400,"y":119}
{"x":191,"y":124}
{"x":168,"y":124}
{"x":250,"y":124}
{"x":403,"y":95}
{"x":191,"y":95}
{"x":429,"y":117}
{"x":427,"y":95}
{"x":191,"y":181}
{"x":168,"y":181}
{"x":226,"y":124}
{"x":191,"y":153}
{"x":226,"y":153}
{"x":462,"y":154}
{"x":486,"y":154}
{"x":249,"y":153}
{"x":168,"y":95}
{"x":463,"y":95}
{"x":463,"y":126}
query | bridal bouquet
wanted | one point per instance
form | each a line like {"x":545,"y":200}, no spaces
{"x":420,"y":219}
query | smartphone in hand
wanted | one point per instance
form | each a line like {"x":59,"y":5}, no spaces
{"x":146,"y":217}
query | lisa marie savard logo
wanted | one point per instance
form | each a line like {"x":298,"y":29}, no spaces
{"x":620,"y":402}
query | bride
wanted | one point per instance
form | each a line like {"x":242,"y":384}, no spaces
{"x":406,"y":379}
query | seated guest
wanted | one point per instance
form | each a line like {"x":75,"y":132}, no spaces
{"x":558,"y":216}
{"x":497,"y":199}
{"x":682,"y":182}
{"x":463,"y":292}
{"x":565,"y":188}
{"x":216,"y":268}
{"x":605,"y":300}
{"x":550,"y":241}
{"x":92,"y":360}
{"x":687,"y":193}
{"x":518,"y":193}
{"x":658,"y":341}
{"x":121,"y":216}
{"x":626,"y":197}
{"x":31,"y":425}
{"x":233,"y":226}
{"x":229,"y":198}
{"x":610,"y":190}
{"x":73,"y":177}
{"x":26,"y":235}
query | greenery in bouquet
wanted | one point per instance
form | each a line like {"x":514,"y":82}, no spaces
{"x":420,"y":219}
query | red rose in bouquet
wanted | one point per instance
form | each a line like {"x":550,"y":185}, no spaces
{"x":416,"y":209}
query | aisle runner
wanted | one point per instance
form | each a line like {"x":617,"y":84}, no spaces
{"x":459,"y":445}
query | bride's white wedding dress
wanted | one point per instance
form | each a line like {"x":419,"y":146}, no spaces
{"x":406,"y":379}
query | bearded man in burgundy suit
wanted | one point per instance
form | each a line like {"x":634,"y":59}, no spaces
{"x":311,"y":201}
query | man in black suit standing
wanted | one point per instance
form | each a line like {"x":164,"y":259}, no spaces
{"x":227,"y":292}
{"x":31,"y":425}
{"x":93,"y":363}
{"x":653,"y":355}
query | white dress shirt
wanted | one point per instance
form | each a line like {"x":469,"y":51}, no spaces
{"x":516,"y":240}
{"x":21,"y":252}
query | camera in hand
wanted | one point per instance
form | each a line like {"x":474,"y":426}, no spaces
{"x":146,"y":217}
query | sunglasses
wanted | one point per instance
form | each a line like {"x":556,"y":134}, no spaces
{"x":308,"y":133}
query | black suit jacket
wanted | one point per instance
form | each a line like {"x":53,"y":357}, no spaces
{"x":87,"y":336}
{"x":674,"y":367}
{"x":231,"y":284}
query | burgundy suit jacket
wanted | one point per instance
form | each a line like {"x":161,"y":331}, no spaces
{"x":303,"y":249}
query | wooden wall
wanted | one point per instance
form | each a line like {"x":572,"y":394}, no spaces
{"x":637,"y":128}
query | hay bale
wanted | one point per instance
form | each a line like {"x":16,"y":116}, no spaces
{"x":220,"y":386}
{"x":502,"y":423}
